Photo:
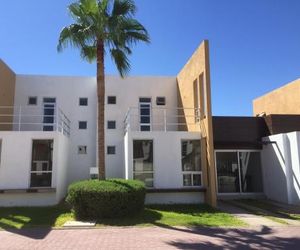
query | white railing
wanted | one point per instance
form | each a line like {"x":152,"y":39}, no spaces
{"x":34,"y":118}
{"x":161,"y":119}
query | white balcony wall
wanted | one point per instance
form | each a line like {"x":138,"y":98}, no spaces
{"x":15,"y":167}
{"x":281,"y":167}
{"x":166,"y":163}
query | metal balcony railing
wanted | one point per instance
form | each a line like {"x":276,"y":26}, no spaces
{"x":34,"y":118}
{"x":161,"y":119}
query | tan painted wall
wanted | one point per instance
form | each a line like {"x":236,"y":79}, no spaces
{"x":284,"y":100}
{"x":7,"y":94}
{"x":197,"y":68}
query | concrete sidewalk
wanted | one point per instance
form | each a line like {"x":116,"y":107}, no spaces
{"x":152,"y":238}
{"x":249,"y":218}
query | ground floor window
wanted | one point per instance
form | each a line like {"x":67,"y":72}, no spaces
{"x":191,"y":163}
{"x":143,"y":161}
{"x":239,"y":171}
{"x":41,"y":166}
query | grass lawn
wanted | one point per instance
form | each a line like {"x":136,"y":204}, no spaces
{"x":276,"y":210}
{"x":164,"y":215}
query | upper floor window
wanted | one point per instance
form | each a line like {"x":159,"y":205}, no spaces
{"x":82,"y":125}
{"x":83,"y":101}
{"x":111,"y":100}
{"x":111,"y":124}
{"x":82,"y":150}
{"x":111,"y":150}
{"x":32,"y":100}
{"x":160,"y":100}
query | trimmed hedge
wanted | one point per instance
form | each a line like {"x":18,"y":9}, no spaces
{"x":96,"y":199}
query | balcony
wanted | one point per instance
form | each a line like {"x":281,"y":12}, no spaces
{"x":48,"y":117}
{"x":146,"y":118}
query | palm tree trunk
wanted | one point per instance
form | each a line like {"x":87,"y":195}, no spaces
{"x":101,"y":103}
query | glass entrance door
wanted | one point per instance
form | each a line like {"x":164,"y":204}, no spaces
{"x":49,"y":113}
{"x":239,"y":171}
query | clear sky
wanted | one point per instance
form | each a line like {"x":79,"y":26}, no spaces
{"x":254,"y":44}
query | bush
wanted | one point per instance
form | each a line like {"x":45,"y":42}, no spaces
{"x":95,"y":199}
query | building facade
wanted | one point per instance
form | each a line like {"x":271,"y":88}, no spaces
{"x":159,"y":130}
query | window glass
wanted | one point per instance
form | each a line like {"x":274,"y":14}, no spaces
{"x":251,"y":173}
{"x":111,"y":124}
{"x":160,"y":100}
{"x":111,"y":150}
{"x":82,"y":125}
{"x":228,"y":172}
{"x":111,"y":100}
{"x":41,"y":166}
{"x":32,"y":100}
{"x":83,"y":102}
{"x":191,"y":162}
{"x":191,"y":155}
{"x":143,"y":161}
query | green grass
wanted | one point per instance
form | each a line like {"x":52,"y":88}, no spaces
{"x":276,"y":210}
{"x":20,"y":217}
{"x":164,"y":215}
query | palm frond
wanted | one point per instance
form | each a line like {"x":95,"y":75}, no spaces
{"x":89,"y":53}
{"x":121,"y":60}
{"x":123,"y":8}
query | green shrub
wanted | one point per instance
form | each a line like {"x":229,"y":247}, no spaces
{"x":95,"y":199}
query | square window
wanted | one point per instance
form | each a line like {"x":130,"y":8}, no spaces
{"x":160,"y":100}
{"x":111,"y":150}
{"x":83,"y":102}
{"x":32,"y":100}
{"x":111,"y":100}
{"x":82,"y":125}
{"x":111,"y":124}
{"x":82,"y":150}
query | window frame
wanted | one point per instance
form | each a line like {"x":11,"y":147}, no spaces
{"x":85,"y":99}
{"x":111,"y":146}
{"x":111,"y":96}
{"x":161,"y":103}
{"x":153,"y":161}
{"x":110,"y":121}
{"x":193,"y":172}
{"x":237,"y":151}
{"x":41,"y":171}
{"x":78,"y":149}
{"x":86,"y":126}
{"x":36,"y":101}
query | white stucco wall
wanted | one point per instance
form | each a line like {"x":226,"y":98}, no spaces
{"x":68,"y":90}
{"x":281,"y":168}
{"x":15,"y":167}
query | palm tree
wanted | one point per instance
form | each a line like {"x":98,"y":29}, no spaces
{"x":103,"y":26}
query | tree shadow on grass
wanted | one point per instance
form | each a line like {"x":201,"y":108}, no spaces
{"x":32,"y":222}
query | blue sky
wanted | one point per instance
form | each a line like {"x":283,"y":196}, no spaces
{"x":254,"y":44}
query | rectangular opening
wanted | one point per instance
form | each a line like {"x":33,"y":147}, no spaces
{"x":239,"y":172}
{"x":191,"y":163}
{"x":160,"y":100}
{"x":203,"y":97}
{"x":49,"y":113}
{"x":143,"y":161}
{"x":111,"y":100}
{"x":145,"y":113}
{"x":82,"y":150}
{"x":32,"y":100}
{"x":111,"y":124}
{"x":196,"y":100}
{"x":111,"y":150}
{"x":41,"y":164}
{"x":83,"y":101}
{"x":82,"y":125}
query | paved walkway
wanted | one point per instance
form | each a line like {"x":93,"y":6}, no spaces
{"x":152,"y":238}
{"x":251,"y":219}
